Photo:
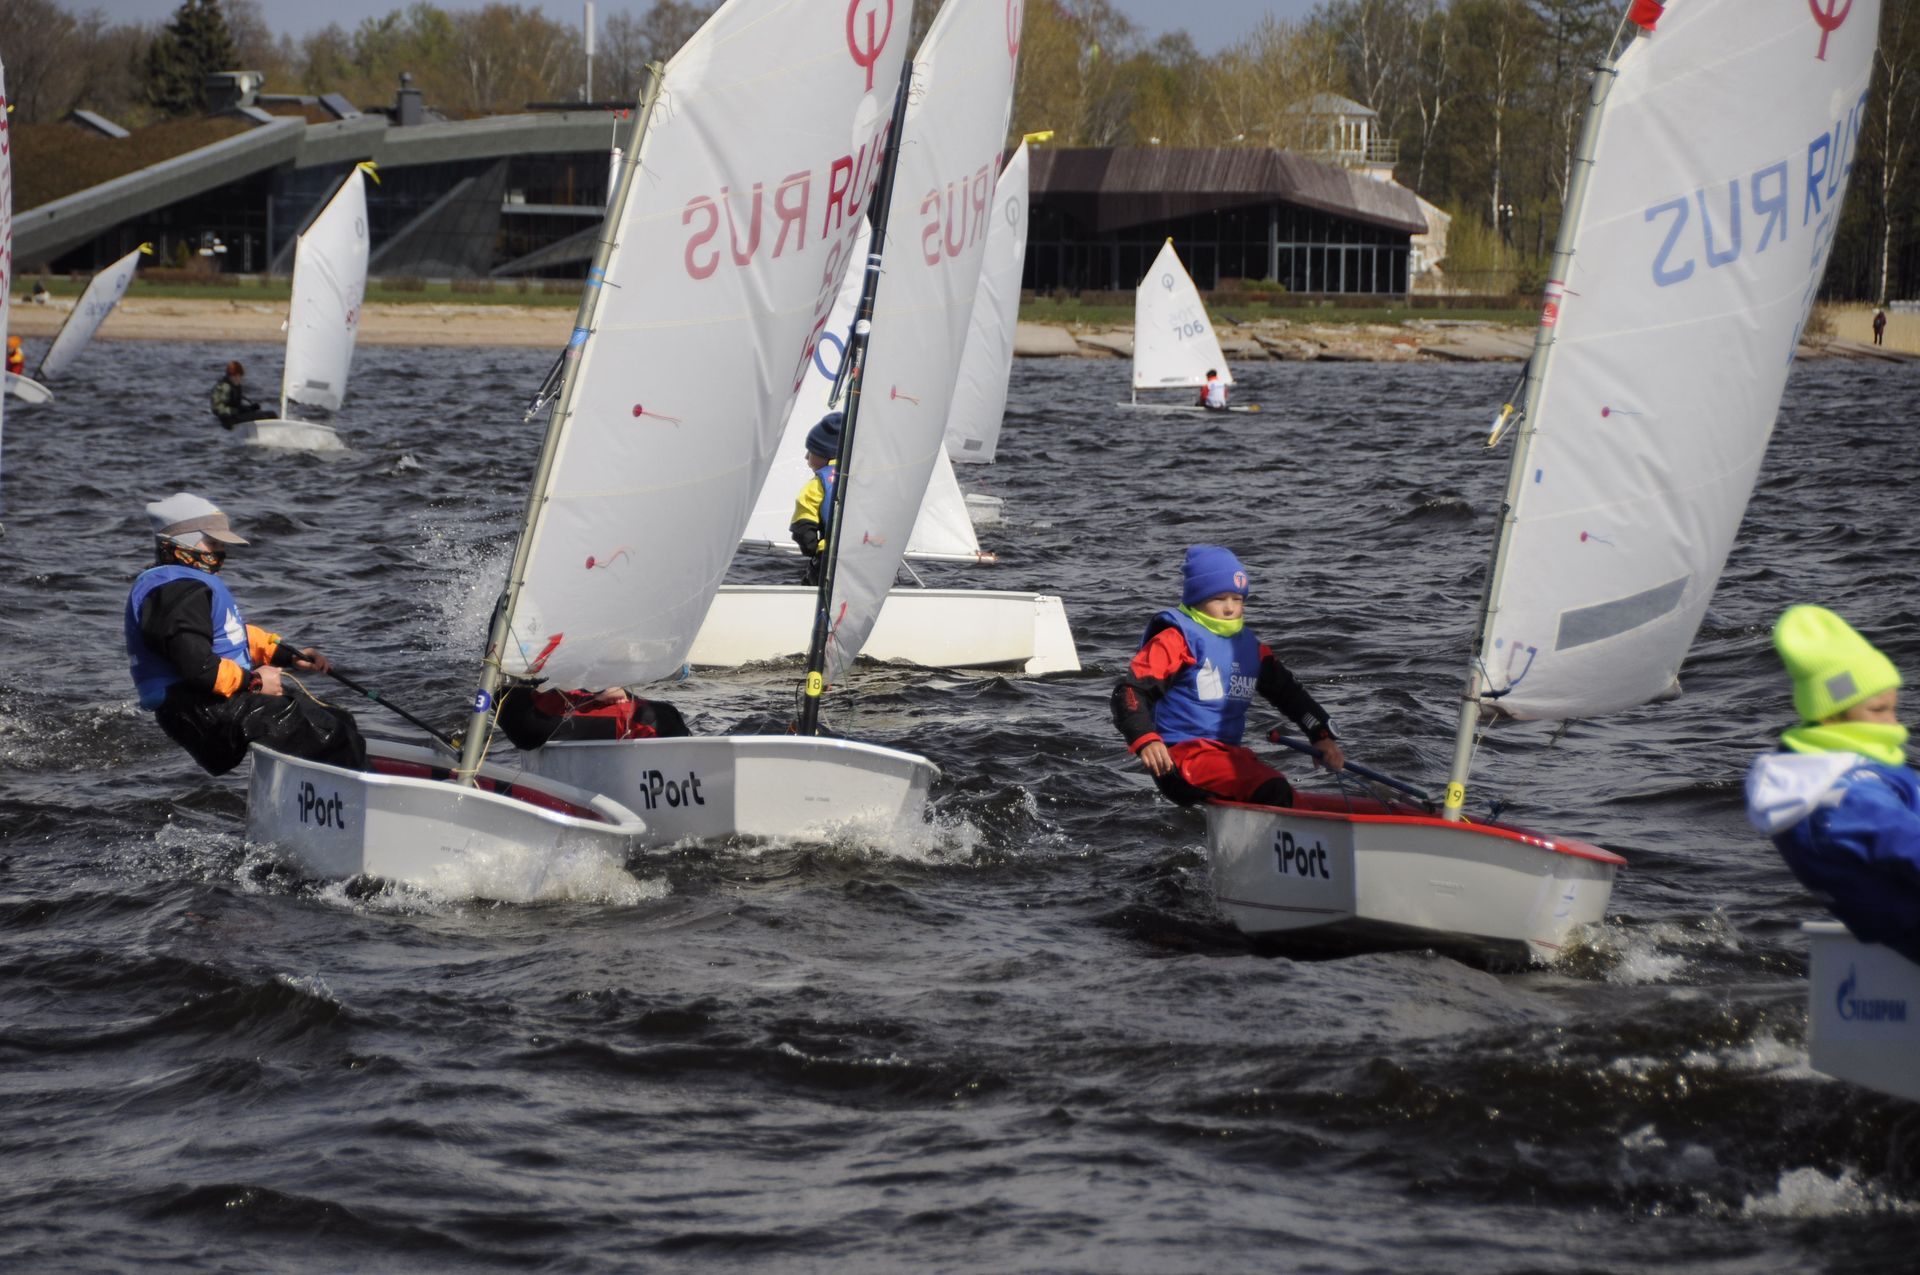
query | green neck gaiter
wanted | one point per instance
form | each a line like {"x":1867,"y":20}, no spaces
{"x":1884,"y":742}
{"x":1221,"y":628}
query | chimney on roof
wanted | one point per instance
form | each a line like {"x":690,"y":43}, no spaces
{"x":232,"y":90}
{"x":407,"y":105}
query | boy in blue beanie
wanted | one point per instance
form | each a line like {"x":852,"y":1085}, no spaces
{"x":810,"y":510}
{"x":1183,"y":703}
{"x":1840,"y":802}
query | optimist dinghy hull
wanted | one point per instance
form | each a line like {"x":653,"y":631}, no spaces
{"x":294,"y":436}
{"x":404,"y":820}
{"x":28,"y":390}
{"x":1344,"y":875}
{"x":710,"y":790}
{"x":934,"y":628}
{"x":1185,"y":409}
{"x":1863,"y":1012}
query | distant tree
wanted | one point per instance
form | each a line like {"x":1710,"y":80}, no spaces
{"x":195,"y":44}
{"x":630,"y":41}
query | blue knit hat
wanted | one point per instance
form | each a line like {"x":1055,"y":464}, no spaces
{"x":1212,"y":569}
{"x":824,"y":438}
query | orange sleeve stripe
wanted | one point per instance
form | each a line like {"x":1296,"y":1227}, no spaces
{"x":229,"y":679}
{"x":261,"y":645}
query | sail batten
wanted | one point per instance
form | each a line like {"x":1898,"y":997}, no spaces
{"x":1718,"y":166}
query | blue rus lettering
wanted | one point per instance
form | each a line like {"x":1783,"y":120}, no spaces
{"x":326,"y":812}
{"x":1296,"y":859}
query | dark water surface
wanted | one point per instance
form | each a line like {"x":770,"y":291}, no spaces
{"x":1022,"y":1041}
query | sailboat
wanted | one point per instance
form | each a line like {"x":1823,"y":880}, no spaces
{"x":329,"y":284}
{"x":103,"y":293}
{"x":980,"y":393}
{"x":933,"y":628}
{"x":27,"y":390}
{"x":1657,"y":372}
{"x":726,"y":258}
{"x":689,"y":336}
{"x":1173,"y":342}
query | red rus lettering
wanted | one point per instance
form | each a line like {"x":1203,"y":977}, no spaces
{"x":733,"y":231}
{"x":792,"y":216}
{"x":701,"y":204}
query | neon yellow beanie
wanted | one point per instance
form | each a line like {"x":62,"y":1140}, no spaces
{"x":1832,"y":667}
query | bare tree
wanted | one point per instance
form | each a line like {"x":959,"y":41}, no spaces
{"x":1893,"y":119}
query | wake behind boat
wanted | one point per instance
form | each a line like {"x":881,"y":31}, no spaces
{"x":329,"y":284}
{"x":1638,"y":450}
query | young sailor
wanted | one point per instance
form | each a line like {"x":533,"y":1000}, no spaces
{"x":812,"y":508}
{"x":16,"y":357}
{"x":1840,"y":802}
{"x":1213,"y":395}
{"x":532,"y":718}
{"x":231,"y":406}
{"x":1183,"y":704}
{"x":210,"y":679}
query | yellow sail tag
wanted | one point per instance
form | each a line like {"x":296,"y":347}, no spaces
{"x":815,"y":684}
{"x":1456,"y":796}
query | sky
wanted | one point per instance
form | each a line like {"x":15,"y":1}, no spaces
{"x":1213,"y":24}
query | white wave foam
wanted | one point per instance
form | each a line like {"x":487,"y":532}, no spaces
{"x":1809,"y":1193}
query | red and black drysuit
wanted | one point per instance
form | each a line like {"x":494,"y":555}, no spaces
{"x":1208,"y":767}
{"x":210,"y":709}
{"x":532,"y":718}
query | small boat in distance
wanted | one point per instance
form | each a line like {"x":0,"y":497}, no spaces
{"x":1173,"y":342}
{"x":1656,"y":376}
{"x":102,"y":294}
{"x":28,"y":390}
{"x":329,"y":285}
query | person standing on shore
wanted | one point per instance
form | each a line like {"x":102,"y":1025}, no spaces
{"x":1879,"y":325}
{"x":231,"y":406}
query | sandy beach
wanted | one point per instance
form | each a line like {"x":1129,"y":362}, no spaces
{"x":1284,"y":339}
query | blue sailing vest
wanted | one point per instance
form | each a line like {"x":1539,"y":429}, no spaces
{"x":153,"y":672}
{"x":826,"y":474}
{"x":1209,"y":700}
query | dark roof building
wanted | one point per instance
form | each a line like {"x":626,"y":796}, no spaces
{"x":1097,"y":218}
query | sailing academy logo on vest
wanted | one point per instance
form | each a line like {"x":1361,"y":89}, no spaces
{"x":1828,"y":15}
{"x":867,"y":33}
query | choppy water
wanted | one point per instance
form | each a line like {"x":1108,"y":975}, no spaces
{"x":1024,"y":1041}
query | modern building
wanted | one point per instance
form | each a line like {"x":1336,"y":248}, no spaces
{"x":501,"y":196}
{"x":1097,"y":218}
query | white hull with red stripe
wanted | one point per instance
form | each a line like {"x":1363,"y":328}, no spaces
{"x":709,"y":790}
{"x":404,"y":820}
{"x":1334,"y":873}
{"x":1863,"y":1012}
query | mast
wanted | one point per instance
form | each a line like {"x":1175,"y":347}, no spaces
{"x":474,"y":745}
{"x":1604,"y":73}
{"x":851,"y":367}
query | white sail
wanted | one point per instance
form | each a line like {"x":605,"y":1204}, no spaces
{"x":941,"y":208}
{"x":1721,"y":159}
{"x":329,"y":282}
{"x":6,"y":234}
{"x":980,"y":394}
{"x":943,"y":528}
{"x":754,"y":174}
{"x":103,"y":293}
{"x":1173,"y":340}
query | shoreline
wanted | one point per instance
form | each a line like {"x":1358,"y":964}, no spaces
{"x":481,"y":326}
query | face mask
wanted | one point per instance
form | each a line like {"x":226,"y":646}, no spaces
{"x":1223,"y":628}
{"x":207,"y":560}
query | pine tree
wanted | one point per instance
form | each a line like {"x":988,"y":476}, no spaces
{"x":194,"y":45}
